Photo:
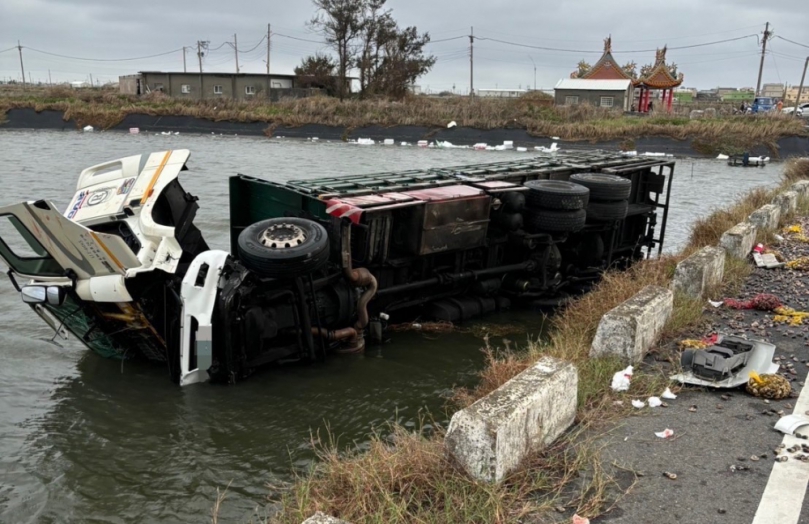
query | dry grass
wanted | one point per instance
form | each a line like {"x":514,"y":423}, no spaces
{"x":408,"y":477}
{"x":104,"y":109}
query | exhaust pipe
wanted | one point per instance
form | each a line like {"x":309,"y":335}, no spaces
{"x":359,"y":277}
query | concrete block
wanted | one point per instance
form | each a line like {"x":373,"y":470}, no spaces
{"x":739,"y":240}
{"x":766,"y":217}
{"x":700,"y":272}
{"x":802,"y":188}
{"x":630,"y":329}
{"x":787,"y":201}
{"x":490,"y":438}
{"x":322,"y":518}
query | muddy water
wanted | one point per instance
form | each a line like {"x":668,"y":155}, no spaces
{"x":85,"y":439}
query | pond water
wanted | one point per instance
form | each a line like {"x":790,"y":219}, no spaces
{"x":87,"y":439}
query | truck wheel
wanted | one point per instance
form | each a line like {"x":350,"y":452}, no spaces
{"x":604,"y":188}
{"x":556,"y":194}
{"x":284,"y":247}
{"x":541,"y":220}
{"x":607,"y":211}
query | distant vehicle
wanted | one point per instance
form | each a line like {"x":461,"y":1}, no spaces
{"x":762,"y":104}
{"x":802,"y":108}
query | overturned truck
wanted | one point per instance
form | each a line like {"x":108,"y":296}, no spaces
{"x":321,"y":265}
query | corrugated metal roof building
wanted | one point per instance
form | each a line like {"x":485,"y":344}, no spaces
{"x":612,"y":94}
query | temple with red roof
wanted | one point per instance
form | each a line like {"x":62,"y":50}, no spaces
{"x":657,"y":76}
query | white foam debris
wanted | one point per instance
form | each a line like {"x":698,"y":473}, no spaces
{"x":423,"y":143}
{"x":522,"y":149}
{"x":480,"y":146}
{"x":388,"y":142}
{"x":508,"y":144}
{"x":365,"y":141}
{"x":451,"y":124}
{"x":88,"y":129}
{"x":134,"y":130}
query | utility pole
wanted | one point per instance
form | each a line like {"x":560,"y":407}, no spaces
{"x":269,"y":82}
{"x":22,"y":67}
{"x":236,"y":50}
{"x":184,"y":68}
{"x":199,"y":55}
{"x":91,"y":79}
{"x":269,"y":34}
{"x":50,"y":82}
{"x":201,"y":44}
{"x":767,"y":35}
{"x":472,"y":62}
{"x":800,"y":87}
{"x":535,"y":72}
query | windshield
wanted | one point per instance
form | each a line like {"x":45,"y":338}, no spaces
{"x":764,"y":101}
{"x":23,"y":253}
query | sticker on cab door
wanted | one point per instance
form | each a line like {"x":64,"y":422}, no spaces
{"x":99,"y":196}
{"x":80,"y":198}
{"x":126,"y":186}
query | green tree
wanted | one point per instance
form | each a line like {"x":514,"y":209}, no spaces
{"x":340,"y":22}
{"x":317,"y":70}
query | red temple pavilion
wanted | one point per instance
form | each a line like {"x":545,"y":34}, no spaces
{"x":658,"y":76}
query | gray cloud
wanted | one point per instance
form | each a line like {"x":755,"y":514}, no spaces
{"x":117,"y":29}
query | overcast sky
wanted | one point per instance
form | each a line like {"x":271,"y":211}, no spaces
{"x":114,"y":29}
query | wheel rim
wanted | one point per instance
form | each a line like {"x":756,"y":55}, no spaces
{"x":282,"y":236}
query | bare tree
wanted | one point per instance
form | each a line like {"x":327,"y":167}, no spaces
{"x":340,"y":22}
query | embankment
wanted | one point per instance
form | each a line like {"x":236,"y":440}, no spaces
{"x":18,"y":119}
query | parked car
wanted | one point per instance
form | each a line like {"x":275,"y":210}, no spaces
{"x":802,"y":108}
{"x":762,"y":104}
{"x":319,"y":265}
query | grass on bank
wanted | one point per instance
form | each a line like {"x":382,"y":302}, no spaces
{"x":407,"y":477}
{"x":104,"y":109}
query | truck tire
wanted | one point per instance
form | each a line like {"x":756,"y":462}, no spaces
{"x":607,"y":211}
{"x":554,"y":221}
{"x":556,"y":194}
{"x":284,"y":247}
{"x":604,"y":188}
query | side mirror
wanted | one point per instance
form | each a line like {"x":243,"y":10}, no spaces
{"x":56,"y":295}
{"x":34,"y":294}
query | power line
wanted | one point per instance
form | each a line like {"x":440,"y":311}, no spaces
{"x":614,"y":52}
{"x":448,"y":39}
{"x":102,"y":59}
{"x":792,"y":41}
{"x":486,"y":30}
{"x":255,"y":46}
{"x":302,"y":39}
{"x":9,"y":49}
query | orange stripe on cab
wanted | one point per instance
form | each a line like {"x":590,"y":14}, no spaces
{"x":150,"y":187}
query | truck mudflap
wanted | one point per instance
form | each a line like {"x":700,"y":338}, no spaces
{"x":199,"y":292}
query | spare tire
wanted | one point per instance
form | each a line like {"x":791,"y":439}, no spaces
{"x":553,"y":221}
{"x":284,"y":247}
{"x":556,"y":194}
{"x":607,"y":211}
{"x":604,"y":188}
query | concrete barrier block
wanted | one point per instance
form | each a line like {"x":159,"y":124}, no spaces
{"x":700,"y":272}
{"x":739,"y":240}
{"x":766,"y":217}
{"x":786,"y":201}
{"x":802,"y":188}
{"x":630,"y":329}
{"x":490,"y":438}
{"x":322,"y":518}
